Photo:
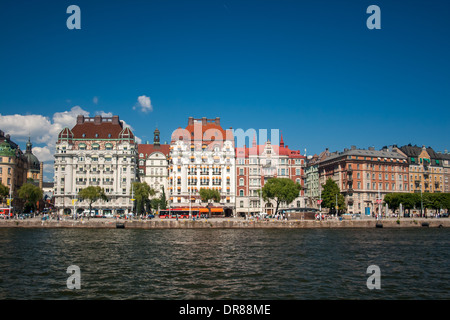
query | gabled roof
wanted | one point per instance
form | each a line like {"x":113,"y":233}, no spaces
{"x":258,"y":150}
{"x":148,"y":149}
{"x":98,"y":127}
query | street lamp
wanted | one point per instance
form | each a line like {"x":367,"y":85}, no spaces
{"x":421,"y":200}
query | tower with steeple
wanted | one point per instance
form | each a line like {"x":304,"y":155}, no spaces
{"x":34,"y":166}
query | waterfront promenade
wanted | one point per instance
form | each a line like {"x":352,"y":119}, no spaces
{"x":225,"y":223}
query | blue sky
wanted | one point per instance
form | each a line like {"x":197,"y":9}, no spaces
{"x":311,"y":69}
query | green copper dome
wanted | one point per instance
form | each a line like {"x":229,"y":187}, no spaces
{"x":33,"y":162}
{"x":6,"y":150}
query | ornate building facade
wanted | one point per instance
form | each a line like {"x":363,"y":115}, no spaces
{"x":13,"y":168}
{"x":202,"y":156}
{"x":258,"y":163}
{"x":426,"y":169}
{"x":97,"y":151}
{"x":365,"y":176}
{"x":154,"y":164}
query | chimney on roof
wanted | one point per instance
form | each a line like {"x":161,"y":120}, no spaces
{"x":353,"y":147}
{"x":98,"y":119}
{"x":204,"y":121}
{"x":217,"y":121}
{"x":80,"y":119}
{"x":115,"y":120}
{"x":190,"y":121}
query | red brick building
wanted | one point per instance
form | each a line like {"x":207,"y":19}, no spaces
{"x":258,"y":163}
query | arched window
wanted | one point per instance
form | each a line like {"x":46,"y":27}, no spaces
{"x":241,"y":193}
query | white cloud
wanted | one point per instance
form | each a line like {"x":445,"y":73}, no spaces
{"x":44,"y":131}
{"x":145,"y":104}
{"x":44,"y":154}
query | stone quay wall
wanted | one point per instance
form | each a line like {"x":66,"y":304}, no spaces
{"x":224,"y":223}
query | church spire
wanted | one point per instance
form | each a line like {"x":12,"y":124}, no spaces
{"x":156,"y":137}
{"x":29,"y":146}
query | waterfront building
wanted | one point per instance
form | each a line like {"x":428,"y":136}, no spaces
{"x":258,"y":163}
{"x":202,"y":156}
{"x":445,"y":159}
{"x":426,"y":171}
{"x":97,"y":151}
{"x":154,"y":164}
{"x":313,"y":188}
{"x":13,"y":168}
{"x":365,"y":176}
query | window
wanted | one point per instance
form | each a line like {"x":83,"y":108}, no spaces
{"x":241,"y":193}
{"x":241,"y":203}
{"x":241,"y":181}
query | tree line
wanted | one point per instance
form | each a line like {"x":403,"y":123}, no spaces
{"x":434,"y":201}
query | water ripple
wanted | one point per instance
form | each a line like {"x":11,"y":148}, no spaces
{"x":224,"y":264}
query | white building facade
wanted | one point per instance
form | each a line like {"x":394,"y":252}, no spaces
{"x":154,"y":164}
{"x":97,"y":151}
{"x":202,"y":156}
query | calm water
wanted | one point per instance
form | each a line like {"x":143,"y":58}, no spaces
{"x":225,"y":264}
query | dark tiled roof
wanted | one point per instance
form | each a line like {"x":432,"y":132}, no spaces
{"x":148,"y":149}
{"x":89,"y":130}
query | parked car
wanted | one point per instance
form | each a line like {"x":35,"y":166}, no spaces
{"x":86,"y":213}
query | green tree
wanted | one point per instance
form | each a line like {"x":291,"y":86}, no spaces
{"x":92,"y":194}
{"x":31,"y":194}
{"x":208,"y":194}
{"x":4,"y":192}
{"x":280,"y":190}
{"x":393,"y":200}
{"x":142,"y":191}
{"x":409,"y":200}
{"x":163,"y":200}
{"x":329,"y":191}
